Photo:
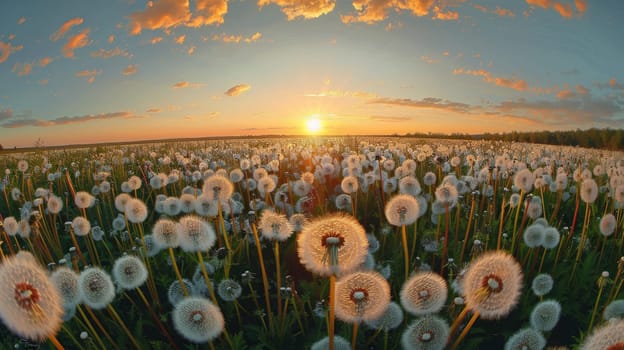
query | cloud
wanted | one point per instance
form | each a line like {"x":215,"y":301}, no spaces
{"x":89,"y":74}
{"x":153,"y":110}
{"x":43,"y":82}
{"x":390,"y":119}
{"x":75,"y":42}
{"x":166,"y":14}
{"x":306,"y":9}
{"x":342,"y":93}
{"x":445,"y":16}
{"x":499,"y":11}
{"x":60,"y":33}
{"x":565,"y":10}
{"x":425,"y":103}
{"x":429,"y":59}
{"x":237,"y":89}
{"x":372,"y":11}
{"x":210,"y":115}
{"x":105,"y":54}
{"x":111,"y":39}
{"x":45,"y":61}
{"x":130,"y":70}
{"x":237,"y":38}
{"x":22,"y":69}
{"x":6,"y":49}
{"x":156,"y":40}
{"x":180,"y":40}
{"x":6,"y":114}
{"x":512,"y":83}
{"x":186,"y":84}
{"x":19,"y":123}
{"x":21,"y":20}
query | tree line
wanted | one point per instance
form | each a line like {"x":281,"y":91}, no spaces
{"x":591,"y":138}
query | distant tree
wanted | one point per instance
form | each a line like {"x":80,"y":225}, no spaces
{"x":1,"y":148}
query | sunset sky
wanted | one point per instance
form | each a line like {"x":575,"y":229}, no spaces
{"x":97,"y":71}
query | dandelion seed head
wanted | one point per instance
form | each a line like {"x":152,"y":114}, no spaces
{"x":66,"y":282}
{"x":551,"y":238}
{"x":533,"y":236}
{"x":390,"y":319}
{"x":195,"y":234}
{"x":607,"y":225}
{"x":165,"y":233}
{"x":229,"y":290}
{"x":197,"y":319}
{"x":427,"y":333}
{"x":136,"y":210}
{"x":340,"y":343}
{"x":175,"y":293}
{"x":54,"y":204}
{"x":424,"y":293}
{"x":589,"y":190}
{"x":545,"y":315}
{"x":96,"y":287}
{"x":218,"y":188}
{"x":84,"y":200}
{"x":332,"y":244}
{"x":121,"y":200}
{"x":81,"y":226}
{"x":526,"y":339}
{"x":361,"y":296}
{"x":402,"y":209}
{"x":30,"y":305}
{"x":129,"y":272}
{"x":492,"y":284}
{"x":615,"y":309}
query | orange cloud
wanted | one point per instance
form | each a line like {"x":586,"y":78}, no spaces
{"x":111,"y":39}
{"x":89,"y":74}
{"x":237,"y":38}
{"x":165,"y":14}
{"x":209,"y":12}
{"x":19,"y":123}
{"x":499,"y":11}
{"x":237,"y":89}
{"x":101,"y":53}
{"x":65,"y":27}
{"x":186,"y":84}
{"x":342,"y":93}
{"x":564,"y":9}
{"x":306,"y":9}
{"x":6,"y":49}
{"x":372,"y":11}
{"x":75,"y":42}
{"x":130,"y":70}
{"x":45,"y":61}
{"x":22,"y":69}
{"x":512,"y":83}
{"x":445,"y":16}
{"x":156,"y":40}
{"x":21,"y":20}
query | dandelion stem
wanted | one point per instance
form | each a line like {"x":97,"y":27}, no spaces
{"x":405,"y":251}
{"x":202,"y":267}
{"x":55,"y":342}
{"x":265,"y":280}
{"x":177,"y":271}
{"x":278,"y":278}
{"x":332,"y":309}
{"x":115,"y":315}
{"x":354,"y":336}
{"x":156,"y":319}
{"x":593,"y":316}
{"x":464,"y":332}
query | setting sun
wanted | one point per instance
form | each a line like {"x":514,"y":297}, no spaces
{"x":313,"y":125}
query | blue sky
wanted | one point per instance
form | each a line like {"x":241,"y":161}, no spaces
{"x":94,"y":71}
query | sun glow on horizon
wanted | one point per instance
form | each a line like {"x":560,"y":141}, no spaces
{"x":313,"y":125}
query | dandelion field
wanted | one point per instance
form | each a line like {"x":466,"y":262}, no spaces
{"x":319,"y":242}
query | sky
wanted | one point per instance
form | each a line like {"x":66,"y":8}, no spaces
{"x":75,"y":72}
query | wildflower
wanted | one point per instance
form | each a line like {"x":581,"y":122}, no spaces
{"x":349,"y":184}
{"x":136,"y":210}
{"x":236,"y":175}
{"x":218,"y":188}
{"x":526,"y":339}
{"x":409,"y":185}
{"x":134,"y":182}
{"x":332,"y":244}
{"x":607,"y":225}
{"x":446,"y":194}
{"x":608,"y":336}
{"x":187,"y":203}
{"x":165,"y":233}
{"x":266,"y":185}
{"x":121,"y":200}
{"x":514,"y":200}
{"x":129,"y":272}
{"x":81,"y":226}
{"x":533,"y":236}
{"x":492,"y":284}
{"x":105,"y":187}
{"x":589,"y":191}
{"x":340,"y":343}
{"x":402,"y":209}
{"x":197,"y":319}
{"x":343,"y":202}
{"x":427,"y":333}
{"x":22,"y":165}
{"x":151,"y":247}
{"x":615,"y":309}
{"x":96,"y":287}
{"x":66,"y":282}
{"x":55,"y":204}
{"x":524,"y":180}
{"x":545,"y":315}
{"x":30,"y":305}
{"x":429,"y":178}
{"x":84,"y":200}
{"x":298,"y":221}
{"x":24,"y":228}
{"x":424,"y":293}
{"x":390,"y":319}
{"x":361,"y":296}
{"x":229,"y":290}
{"x":534,"y":209}
{"x":11,"y":225}
{"x":274,"y":226}
{"x":175,"y":293}
{"x":195,"y":234}
{"x":551,"y":238}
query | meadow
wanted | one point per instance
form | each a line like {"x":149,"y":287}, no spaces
{"x":312,"y":242}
